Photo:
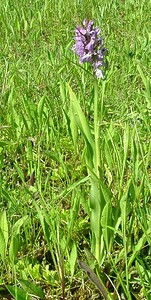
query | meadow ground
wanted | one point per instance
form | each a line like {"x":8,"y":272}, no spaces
{"x":47,"y":220}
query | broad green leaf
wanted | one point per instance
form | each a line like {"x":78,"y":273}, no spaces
{"x":6,"y":196}
{"x":26,"y":123}
{"x":140,"y":264}
{"x":32,"y":288}
{"x":4,"y":227}
{"x":80,"y":119}
{"x":4,"y":143}
{"x":62,"y":92}
{"x":142,"y":74}
{"x":53,"y":155}
{"x":74,"y":212}
{"x":95,"y":216}
{"x":73,"y":128}
{"x":95,"y":204}
{"x":45,"y":222}
{"x":20,"y":172}
{"x":73,"y":258}
{"x":31,"y":111}
{"x":93,"y":277}
{"x":40,"y":108}
{"x":2,"y":245}
{"x":92,"y":262}
{"x":147,"y":84}
{"x":15,"y":238}
{"x":135,"y":159}
{"x":49,"y":230}
{"x":108,"y":154}
{"x":106,"y":193}
{"x":123,"y":213}
{"x":16,"y":227}
{"x":139,"y":246}
{"x":126,"y":141}
{"x":18,"y":293}
{"x":73,"y":186}
{"x":106,"y":222}
{"x":67,"y":119}
{"x":14,"y":247}
{"x":118,"y":160}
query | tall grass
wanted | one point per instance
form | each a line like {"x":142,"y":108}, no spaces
{"x":74,"y":158}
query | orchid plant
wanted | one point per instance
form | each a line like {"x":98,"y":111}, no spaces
{"x":90,"y":48}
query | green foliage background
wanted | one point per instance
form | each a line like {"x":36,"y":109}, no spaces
{"x":44,"y":185}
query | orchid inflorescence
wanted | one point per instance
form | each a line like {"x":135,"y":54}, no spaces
{"x":90,"y":46}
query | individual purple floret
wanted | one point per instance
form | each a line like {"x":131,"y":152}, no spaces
{"x":90,"y":47}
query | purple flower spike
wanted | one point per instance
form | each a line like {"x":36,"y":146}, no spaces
{"x":90,"y":47}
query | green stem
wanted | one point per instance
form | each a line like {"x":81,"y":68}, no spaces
{"x":96,"y":201}
{"x":95,"y":181}
{"x":97,"y":162}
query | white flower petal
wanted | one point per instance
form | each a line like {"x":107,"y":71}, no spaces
{"x":99,"y":73}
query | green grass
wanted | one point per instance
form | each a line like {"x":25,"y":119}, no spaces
{"x":45,"y":186}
